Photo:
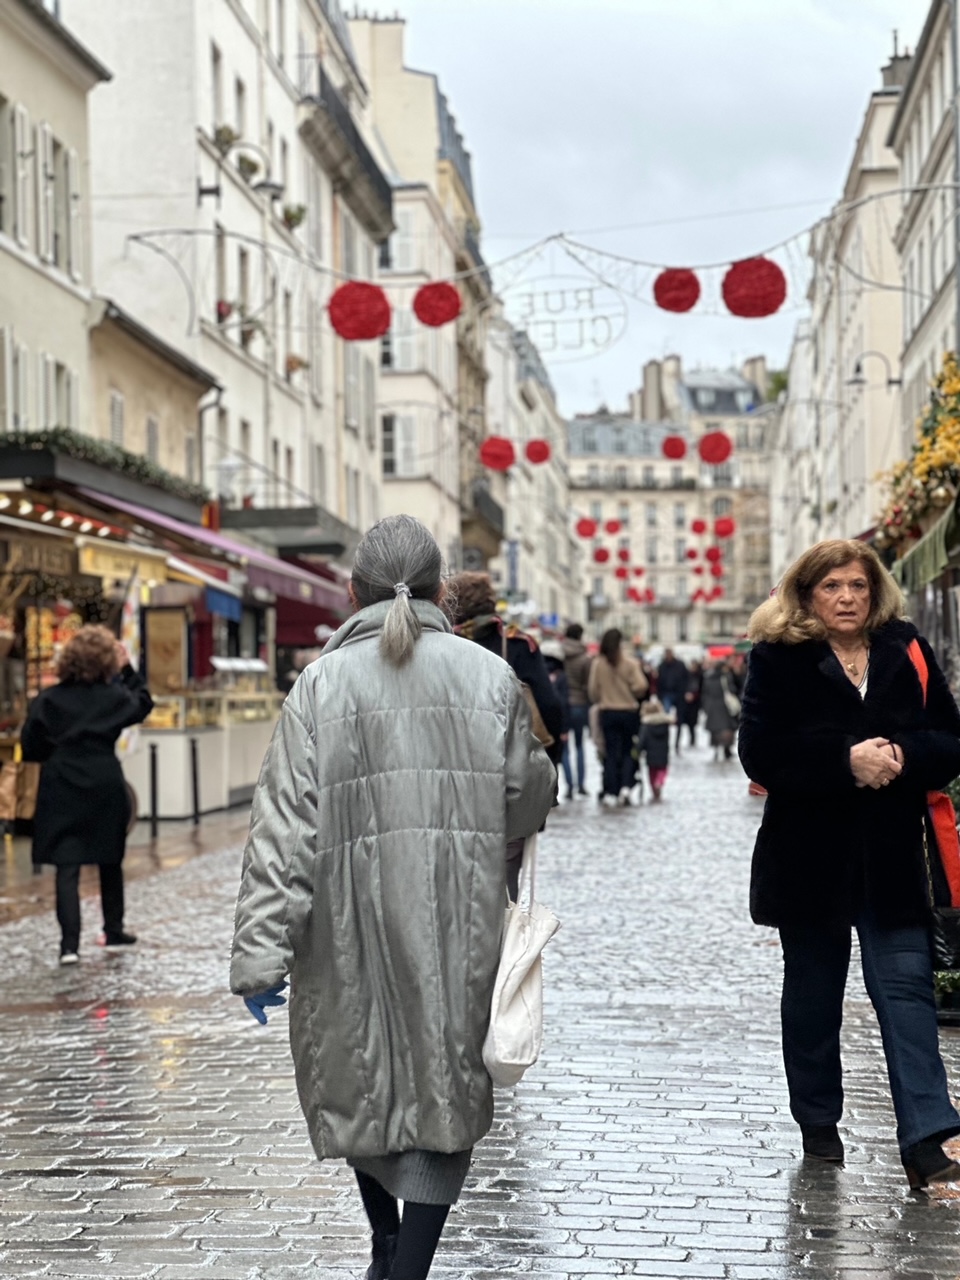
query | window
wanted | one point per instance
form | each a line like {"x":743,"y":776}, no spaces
{"x":240,"y":107}
{"x":349,"y":246}
{"x":596,"y":510}
{"x":116,"y":418}
{"x":245,"y":438}
{"x":589,"y":440}
{"x":722,"y":506}
{"x":216,"y":86}
{"x":314,"y":193}
{"x":351,"y":393}
{"x":623,"y":514}
{"x":620,"y":477}
{"x":14,"y":387}
{"x":221,"y":301}
{"x":653,"y":622}
{"x":597,"y":589}
{"x":223,"y":435}
{"x":315,"y":340}
{"x":652,"y":549}
{"x":683,"y":628}
{"x":152,"y":439}
{"x":190,"y":457}
{"x":369,"y":403}
{"x":676,"y":475}
{"x":706,"y":397}
{"x":289,"y":471}
{"x":243,"y":281}
{"x":320,"y":474}
{"x":648,"y":478}
{"x":679,"y":515}
{"x":723,"y":476}
{"x":45,"y":176}
{"x":281,"y":32}
{"x":402,"y":250}
{"x":406,"y":353}
{"x":287,"y":334}
{"x":619,"y":440}
{"x":650,"y":514}
{"x":284,"y":164}
{"x":593,"y":476}
{"x":680,"y":549}
{"x":271,"y":149}
{"x":680,"y":587}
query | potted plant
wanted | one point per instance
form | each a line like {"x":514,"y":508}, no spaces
{"x":224,"y":137}
{"x":293,"y":215}
{"x":224,"y":310}
{"x":247,"y":168}
{"x":294,"y":363}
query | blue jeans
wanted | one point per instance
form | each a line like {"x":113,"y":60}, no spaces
{"x":669,"y":701}
{"x":578,"y":723}
{"x":898,"y":972}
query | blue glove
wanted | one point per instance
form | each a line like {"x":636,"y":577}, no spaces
{"x":263,"y":1000}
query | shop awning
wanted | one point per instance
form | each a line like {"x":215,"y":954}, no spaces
{"x":297,"y":623}
{"x":931,"y":555}
{"x":262,"y":570}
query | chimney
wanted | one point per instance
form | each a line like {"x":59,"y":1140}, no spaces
{"x":755,"y":370}
{"x":651,"y":396}
{"x":898,"y":68}
{"x":671,"y":377}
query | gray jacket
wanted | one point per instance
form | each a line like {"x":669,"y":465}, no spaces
{"x":374,"y":876}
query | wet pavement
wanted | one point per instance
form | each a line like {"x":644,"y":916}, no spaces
{"x":149,"y":1128}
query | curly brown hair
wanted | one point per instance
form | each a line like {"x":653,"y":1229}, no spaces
{"x":469,"y":595}
{"x":90,"y":657}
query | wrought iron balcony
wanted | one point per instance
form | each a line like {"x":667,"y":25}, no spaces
{"x":488,"y":509}
{"x":331,"y":133}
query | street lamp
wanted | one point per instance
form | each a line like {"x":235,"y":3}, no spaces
{"x":858,"y":380}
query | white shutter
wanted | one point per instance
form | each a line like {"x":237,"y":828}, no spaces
{"x":43,"y":170}
{"x":50,"y":391}
{"x":352,"y":388}
{"x":73,"y":400}
{"x":42,"y":408}
{"x":23,"y":388}
{"x":404,"y":340}
{"x":7,"y":375}
{"x":21,"y":169}
{"x":74,"y":245}
{"x":405,"y":249}
{"x":406,"y":445}
{"x":116,"y":418}
{"x":370,"y":403}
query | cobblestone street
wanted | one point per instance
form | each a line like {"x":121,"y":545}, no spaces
{"x":149,"y":1128}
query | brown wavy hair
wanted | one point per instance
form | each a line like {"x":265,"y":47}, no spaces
{"x":470,"y":595}
{"x":89,"y":658}
{"x":787,"y":617}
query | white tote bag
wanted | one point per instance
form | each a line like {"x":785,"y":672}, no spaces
{"x":515,"y":1035}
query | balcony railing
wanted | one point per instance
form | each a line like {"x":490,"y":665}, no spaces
{"x":488,"y":508}
{"x":332,"y":132}
{"x":609,"y":480}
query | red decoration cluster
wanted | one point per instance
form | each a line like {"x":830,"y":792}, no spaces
{"x":612,"y":526}
{"x":621,"y":572}
{"x":437,"y":304}
{"x":753,"y":288}
{"x":623,"y":555}
{"x":725,"y":527}
{"x":359,"y":312}
{"x":713,"y":554}
{"x":674,"y":447}
{"x":498,"y":453}
{"x":699,"y":526}
{"x":715,"y":448}
{"x":676,"y":289}
{"x":716,"y":570}
{"x":601,"y":555}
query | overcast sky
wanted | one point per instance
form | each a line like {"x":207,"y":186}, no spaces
{"x":583,"y":115}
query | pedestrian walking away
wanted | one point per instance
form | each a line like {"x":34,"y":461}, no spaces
{"x":835,"y":727}
{"x":577,"y":664}
{"x":374,"y":879}
{"x":721,"y":708}
{"x":616,"y":687}
{"x":472,"y":603}
{"x":83,"y":809}
{"x":654,"y":743}
{"x":671,"y":680}
{"x":554,"y":658}
{"x":689,"y":710}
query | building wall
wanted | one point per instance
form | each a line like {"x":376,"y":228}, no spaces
{"x":44,"y":250}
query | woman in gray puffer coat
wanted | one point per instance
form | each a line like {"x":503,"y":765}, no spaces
{"x":374,"y":877}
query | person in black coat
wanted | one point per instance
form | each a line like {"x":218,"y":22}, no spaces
{"x":835,"y":726}
{"x":689,"y":711}
{"x":82,"y":806}
{"x":671,"y":681}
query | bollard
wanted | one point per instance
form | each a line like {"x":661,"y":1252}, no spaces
{"x":195,"y":781}
{"x":153,"y":791}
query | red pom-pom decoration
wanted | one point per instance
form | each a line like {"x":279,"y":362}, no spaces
{"x":715,"y":447}
{"x":586,"y":528}
{"x":713,"y":554}
{"x":698,"y":595}
{"x":692,"y":553}
{"x":698,"y":568}
{"x":716,"y":570}
{"x":649,"y":595}
{"x":498,"y":453}
{"x":601,"y":555}
{"x":699,"y":526}
{"x":612,"y":526}
{"x":436,"y":304}
{"x":674,"y":447}
{"x":634,"y":595}
{"x":621,"y":572}
{"x":359,"y":312}
{"x":725,"y":527}
{"x":754,"y":288}
{"x":676,"y":289}
{"x":716,"y":593}
{"x":623,"y":555}
{"x":538,"y":451}
{"x":639,"y":571}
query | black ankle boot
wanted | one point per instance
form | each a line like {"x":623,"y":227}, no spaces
{"x":927,"y":1162}
{"x":384,"y":1249}
{"x":822,"y":1141}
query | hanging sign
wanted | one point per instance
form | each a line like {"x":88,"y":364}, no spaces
{"x":567,"y":317}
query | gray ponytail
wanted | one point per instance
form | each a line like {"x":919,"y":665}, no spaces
{"x":399,"y":560}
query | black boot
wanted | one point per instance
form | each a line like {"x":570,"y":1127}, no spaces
{"x":384,"y":1249}
{"x":822,"y":1142}
{"x":927,"y":1162}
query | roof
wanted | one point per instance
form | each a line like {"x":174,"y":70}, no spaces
{"x":617,"y":435}
{"x":38,"y":10}
{"x":147,"y":338}
{"x":918,"y":56}
{"x":341,"y":29}
{"x":718,"y":392}
{"x":529,"y":362}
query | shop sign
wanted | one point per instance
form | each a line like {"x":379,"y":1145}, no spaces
{"x":166,"y":649}
{"x":53,"y":556}
{"x":120,"y":562}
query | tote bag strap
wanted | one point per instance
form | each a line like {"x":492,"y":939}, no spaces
{"x":915,"y":654}
{"x":528,"y":874}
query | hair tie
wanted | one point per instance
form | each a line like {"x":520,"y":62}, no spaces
{"x":401,"y":589}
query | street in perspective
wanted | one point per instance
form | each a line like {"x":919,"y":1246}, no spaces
{"x":480,"y":639}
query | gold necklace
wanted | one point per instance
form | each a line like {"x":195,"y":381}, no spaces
{"x":852,"y":666}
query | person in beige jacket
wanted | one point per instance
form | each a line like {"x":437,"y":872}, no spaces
{"x":617,"y":685}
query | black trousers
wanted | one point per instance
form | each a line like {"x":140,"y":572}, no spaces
{"x":619,"y":767}
{"x":68,"y":903}
{"x":418,"y":1232}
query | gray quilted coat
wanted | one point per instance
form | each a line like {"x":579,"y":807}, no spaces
{"x":374,"y":876}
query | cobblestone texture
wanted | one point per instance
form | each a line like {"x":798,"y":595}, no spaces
{"x":148,"y":1128}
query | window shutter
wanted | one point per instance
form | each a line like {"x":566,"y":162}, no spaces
{"x":404,"y":257}
{"x":74,"y":245}
{"x":405,"y":340}
{"x":23,"y":388}
{"x":73,"y":399}
{"x":116,"y":418}
{"x":370,"y":403}
{"x":50,"y":391}
{"x":352,"y":388}
{"x":21,"y":161}
{"x":7,"y":389}
{"x":406,"y":445}
{"x":43,"y":170}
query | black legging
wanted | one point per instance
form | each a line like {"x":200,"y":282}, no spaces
{"x":418,"y":1233}
{"x":68,"y":903}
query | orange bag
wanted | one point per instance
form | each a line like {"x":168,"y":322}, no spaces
{"x":943,"y":818}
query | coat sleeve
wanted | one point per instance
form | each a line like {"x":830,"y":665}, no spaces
{"x":931,"y":756}
{"x":779,"y":753}
{"x":141,"y":704}
{"x":532,"y":670}
{"x":530,"y":777}
{"x":35,"y":741}
{"x":638,"y":682}
{"x":593,"y":681}
{"x":276,"y":884}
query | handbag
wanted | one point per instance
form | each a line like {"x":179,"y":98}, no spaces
{"x":941,"y":855}
{"x":730,"y":699}
{"x":515,"y":1035}
{"x":537,"y":726}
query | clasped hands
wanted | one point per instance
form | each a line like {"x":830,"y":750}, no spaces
{"x":876,"y":762}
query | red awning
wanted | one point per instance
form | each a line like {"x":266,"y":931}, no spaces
{"x":297,"y":623}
